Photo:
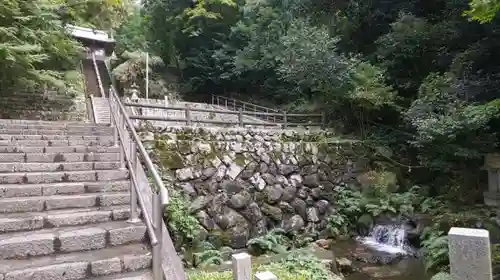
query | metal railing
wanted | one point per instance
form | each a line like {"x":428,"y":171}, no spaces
{"x":280,"y":118}
{"x":120,"y":120}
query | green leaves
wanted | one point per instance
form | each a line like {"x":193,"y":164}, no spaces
{"x":483,"y":10}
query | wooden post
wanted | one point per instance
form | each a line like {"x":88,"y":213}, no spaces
{"x":285,"y":125}
{"x":240,"y":117}
{"x":188,"y":115}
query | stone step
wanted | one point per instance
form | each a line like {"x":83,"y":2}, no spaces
{"x":139,"y":275}
{"x":62,"y":176}
{"x":58,"y":143}
{"x":59,"y":149}
{"x":28,"y":131}
{"x":50,"y":123}
{"x":54,"y":202}
{"x":16,"y":137}
{"x":28,"y":190}
{"x":57,"y":157}
{"x":60,"y":218}
{"x":69,"y":239}
{"x":57,"y":166}
{"x":124,"y":259}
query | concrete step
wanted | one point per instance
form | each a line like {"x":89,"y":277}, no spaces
{"x":28,"y":190}
{"x":57,"y":166}
{"x":121,"y":261}
{"x":58,"y":143}
{"x":57,"y":157}
{"x":70,"y":239}
{"x":139,"y":275}
{"x":62,"y":176}
{"x":30,"y":221}
{"x":59,"y":149}
{"x":54,"y":202}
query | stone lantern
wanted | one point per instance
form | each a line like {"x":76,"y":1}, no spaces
{"x":492,"y":166}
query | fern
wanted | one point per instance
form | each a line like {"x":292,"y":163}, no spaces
{"x":207,"y":257}
{"x":275,"y":241}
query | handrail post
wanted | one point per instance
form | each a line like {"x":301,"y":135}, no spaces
{"x":218,"y":100}
{"x":122,"y":152}
{"x":285,"y":125}
{"x":323,"y":120}
{"x":158,"y":227}
{"x":244,"y":107}
{"x":234,"y":105}
{"x":225,"y":104}
{"x":240,"y":117}
{"x":213,"y":99}
{"x":188,"y":115}
{"x":134,"y":215}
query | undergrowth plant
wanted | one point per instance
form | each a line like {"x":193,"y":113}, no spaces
{"x":183,"y":227}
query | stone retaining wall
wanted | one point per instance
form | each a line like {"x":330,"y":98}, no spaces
{"x":244,"y":182}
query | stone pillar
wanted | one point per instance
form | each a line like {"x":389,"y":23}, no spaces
{"x":470,"y":256}
{"x":242,"y":266}
{"x":266,"y":275}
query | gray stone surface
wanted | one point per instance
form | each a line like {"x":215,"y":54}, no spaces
{"x":66,"y":271}
{"x":136,"y":262}
{"x":273,"y":178}
{"x":470,"y":255}
{"x":265,"y":275}
{"x":12,"y":224}
{"x":63,"y":188}
{"x":70,"y":201}
{"x":74,"y":219}
{"x":242,"y":266}
{"x":28,"y":245}
{"x":22,"y":204}
{"x":82,"y":240}
{"x":114,"y":199}
{"x":132,"y":233}
{"x":106,"y":267}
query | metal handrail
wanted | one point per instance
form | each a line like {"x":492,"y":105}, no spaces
{"x":234,"y":101}
{"x":160,"y":199}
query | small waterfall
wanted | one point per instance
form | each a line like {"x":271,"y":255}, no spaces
{"x":387,"y":238}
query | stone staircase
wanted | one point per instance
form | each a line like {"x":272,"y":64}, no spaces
{"x":64,"y":204}
{"x":100,"y":107}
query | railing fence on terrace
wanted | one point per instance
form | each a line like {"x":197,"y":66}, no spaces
{"x":268,"y":114}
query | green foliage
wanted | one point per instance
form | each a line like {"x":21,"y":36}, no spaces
{"x":442,"y":276}
{"x":435,"y":247}
{"x":296,"y":266}
{"x":483,"y":10}
{"x":130,"y":35}
{"x":274,"y":241}
{"x":34,"y":49}
{"x":303,"y":265}
{"x":183,"y":227}
{"x":209,"y":255}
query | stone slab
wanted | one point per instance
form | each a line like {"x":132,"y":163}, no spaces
{"x":470,"y":256}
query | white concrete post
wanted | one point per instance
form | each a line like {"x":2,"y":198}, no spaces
{"x":266,"y":275}
{"x":242,"y":266}
{"x":470,"y":256}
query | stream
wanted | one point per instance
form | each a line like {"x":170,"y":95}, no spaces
{"x":382,"y":255}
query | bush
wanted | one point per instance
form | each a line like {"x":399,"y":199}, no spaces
{"x":297,"y":266}
{"x":183,"y":228}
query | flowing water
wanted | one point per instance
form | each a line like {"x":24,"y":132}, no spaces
{"x":384,"y":254}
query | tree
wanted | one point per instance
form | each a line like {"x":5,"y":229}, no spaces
{"x":483,"y":10}
{"x":34,"y":48}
